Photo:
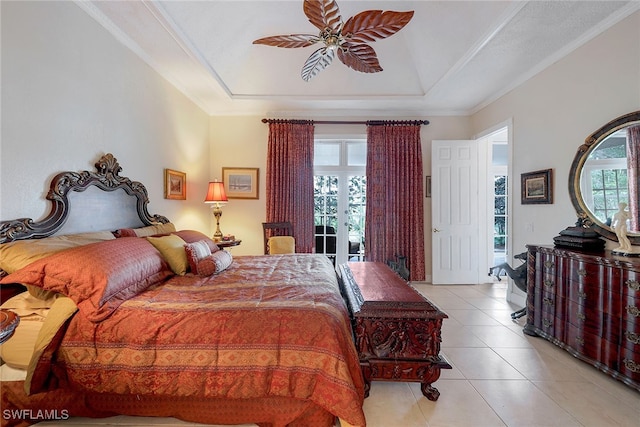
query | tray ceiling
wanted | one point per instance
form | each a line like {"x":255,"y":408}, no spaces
{"x":453,"y":58}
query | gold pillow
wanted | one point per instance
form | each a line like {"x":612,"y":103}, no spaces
{"x":153,"y":230}
{"x":281,"y":245}
{"x":18,"y":254}
{"x":172,"y":249}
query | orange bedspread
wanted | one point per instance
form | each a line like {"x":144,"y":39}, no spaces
{"x":269,"y":326}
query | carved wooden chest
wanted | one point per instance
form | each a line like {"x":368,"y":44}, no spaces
{"x":397,"y":331}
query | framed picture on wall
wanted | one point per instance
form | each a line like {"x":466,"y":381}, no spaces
{"x":537,"y":187}
{"x":175,"y":185}
{"x":241,"y":183}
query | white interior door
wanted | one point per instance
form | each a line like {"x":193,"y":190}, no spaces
{"x":455,"y":212}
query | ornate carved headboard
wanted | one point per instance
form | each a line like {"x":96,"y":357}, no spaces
{"x":108,"y":202}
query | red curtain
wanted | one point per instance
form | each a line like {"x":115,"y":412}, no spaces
{"x":395,"y":196}
{"x":633,"y":172}
{"x":290,"y":179}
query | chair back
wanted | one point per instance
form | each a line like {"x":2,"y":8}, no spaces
{"x":271,"y":229}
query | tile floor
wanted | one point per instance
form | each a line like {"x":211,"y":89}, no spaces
{"x":500,"y":377}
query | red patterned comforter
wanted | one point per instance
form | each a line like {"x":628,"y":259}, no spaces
{"x":269,"y":326}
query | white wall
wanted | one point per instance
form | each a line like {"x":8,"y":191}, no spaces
{"x":555,"y":111}
{"x":71,"y":92}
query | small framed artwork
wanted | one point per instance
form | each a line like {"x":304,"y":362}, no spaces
{"x":537,"y":187}
{"x":175,"y":185}
{"x":241,"y":183}
{"x":427,"y":186}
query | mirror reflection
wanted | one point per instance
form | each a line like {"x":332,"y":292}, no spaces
{"x":610,"y":174}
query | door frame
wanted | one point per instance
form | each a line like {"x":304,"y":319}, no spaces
{"x":513,"y":294}
{"x":485,"y":207}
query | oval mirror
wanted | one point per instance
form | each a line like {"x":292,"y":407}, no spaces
{"x":606,"y":172}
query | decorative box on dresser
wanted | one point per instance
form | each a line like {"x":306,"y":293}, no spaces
{"x":588,"y":304}
{"x":397,"y":331}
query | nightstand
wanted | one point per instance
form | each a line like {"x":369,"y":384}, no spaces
{"x":228,"y":243}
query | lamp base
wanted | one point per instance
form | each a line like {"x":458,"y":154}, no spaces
{"x":217,"y":236}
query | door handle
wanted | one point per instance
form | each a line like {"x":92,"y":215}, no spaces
{"x":435,"y":230}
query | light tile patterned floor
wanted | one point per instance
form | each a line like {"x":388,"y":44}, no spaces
{"x":500,"y":377}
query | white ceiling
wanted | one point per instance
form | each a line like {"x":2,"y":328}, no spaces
{"x":452,"y":58}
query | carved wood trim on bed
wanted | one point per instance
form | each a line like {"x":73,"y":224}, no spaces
{"x":106,"y":177}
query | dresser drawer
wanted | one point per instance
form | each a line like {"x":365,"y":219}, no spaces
{"x":586,"y":294}
{"x":587,"y":318}
{"x":583,"y":342}
{"x":630,"y":340}
{"x":630,"y":364}
{"x":609,"y":354}
{"x":631,"y":285}
{"x":583,"y":272}
{"x":631,"y":315}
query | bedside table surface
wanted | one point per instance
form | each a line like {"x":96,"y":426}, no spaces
{"x":228,"y":243}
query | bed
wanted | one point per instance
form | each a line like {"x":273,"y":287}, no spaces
{"x":138,"y":318}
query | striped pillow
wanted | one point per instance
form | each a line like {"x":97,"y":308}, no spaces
{"x":195,"y":252}
{"x":214,"y":263}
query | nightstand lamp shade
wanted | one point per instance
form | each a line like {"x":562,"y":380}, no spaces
{"x":217,"y":196}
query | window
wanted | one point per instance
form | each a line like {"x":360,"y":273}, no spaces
{"x":604,"y":180}
{"x":500,"y":218}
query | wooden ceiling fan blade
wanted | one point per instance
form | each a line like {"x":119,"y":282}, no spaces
{"x":323,"y":14}
{"x":318,"y":61}
{"x":371,"y":25}
{"x":360,"y":57}
{"x":289,"y":41}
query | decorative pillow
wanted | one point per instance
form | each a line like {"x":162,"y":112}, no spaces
{"x":192,"y":236}
{"x":172,"y":249}
{"x":195,"y":252}
{"x":153,"y":230}
{"x":98,"y":277}
{"x":125,"y":232}
{"x":214,"y":263}
{"x":18,"y":254}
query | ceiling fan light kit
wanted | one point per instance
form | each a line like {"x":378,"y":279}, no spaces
{"x":346,"y":39}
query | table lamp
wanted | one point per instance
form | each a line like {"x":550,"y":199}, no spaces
{"x":217,"y":196}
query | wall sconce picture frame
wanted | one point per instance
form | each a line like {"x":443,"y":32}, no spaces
{"x":427,"y":186}
{"x":537,"y":187}
{"x":241,"y":183}
{"x":175,"y":185}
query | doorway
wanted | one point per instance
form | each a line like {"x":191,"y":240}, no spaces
{"x":499,"y":197}
{"x":340,"y":199}
{"x":470,"y":207}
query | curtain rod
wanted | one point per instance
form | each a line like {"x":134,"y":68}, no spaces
{"x":346,"y":122}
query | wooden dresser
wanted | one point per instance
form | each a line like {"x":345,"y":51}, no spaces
{"x":397,"y":330}
{"x":588,"y":304}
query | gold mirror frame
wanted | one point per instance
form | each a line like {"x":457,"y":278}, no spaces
{"x":575,"y":192}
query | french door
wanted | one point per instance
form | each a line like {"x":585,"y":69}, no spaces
{"x":339,"y":199}
{"x":339,"y":216}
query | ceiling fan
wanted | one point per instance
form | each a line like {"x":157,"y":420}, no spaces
{"x":347,"y":39}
